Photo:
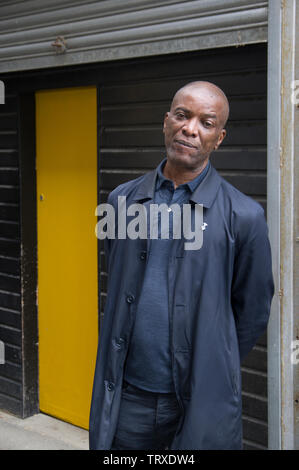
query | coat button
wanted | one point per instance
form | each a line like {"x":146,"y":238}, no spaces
{"x":119,"y":342}
{"x":110,"y":386}
{"x":143,"y":255}
{"x":130,"y":299}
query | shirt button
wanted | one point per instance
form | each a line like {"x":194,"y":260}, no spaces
{"x":143,"y":255}
{"x":110,"y":387}
{"x":130,"y":299}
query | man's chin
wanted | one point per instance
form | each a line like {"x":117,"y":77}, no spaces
{"x":185,"y":160}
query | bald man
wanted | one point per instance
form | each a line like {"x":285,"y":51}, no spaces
{"x":180,"y":316}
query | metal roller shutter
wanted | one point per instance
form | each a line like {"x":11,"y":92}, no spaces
{"x":113,"y":29}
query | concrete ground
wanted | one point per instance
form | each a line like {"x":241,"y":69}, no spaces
{"x":40,"y":432}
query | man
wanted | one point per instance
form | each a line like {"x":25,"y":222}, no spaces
{"x":178,"y":321}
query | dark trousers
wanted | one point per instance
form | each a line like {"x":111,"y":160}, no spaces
{"x":147,"y":420}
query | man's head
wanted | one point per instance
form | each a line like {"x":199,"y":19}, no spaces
{"x":194,"y":126}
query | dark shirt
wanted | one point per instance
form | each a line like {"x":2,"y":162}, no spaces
{"x":148,"y":364}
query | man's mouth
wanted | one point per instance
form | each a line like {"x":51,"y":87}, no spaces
{"x":184,"y":143}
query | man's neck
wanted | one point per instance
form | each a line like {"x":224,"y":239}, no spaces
{"x":179,"y":175}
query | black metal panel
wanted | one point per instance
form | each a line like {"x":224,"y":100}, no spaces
{"x":28,"y":267}
{"x":10,"y":299}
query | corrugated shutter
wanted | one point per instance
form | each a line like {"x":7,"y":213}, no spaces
{"x":133,"y":103}
{"x":112,"y":29}
{"x":18,"y":322}
{"x":10,"y":283}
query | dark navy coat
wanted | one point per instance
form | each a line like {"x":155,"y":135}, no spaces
{"x":219,"y":303}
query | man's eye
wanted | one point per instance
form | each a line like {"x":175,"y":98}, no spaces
{"x":208,"y":124}
{"x":180,"y":115}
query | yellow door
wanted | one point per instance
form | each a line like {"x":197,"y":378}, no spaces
{"x":66,"y":165}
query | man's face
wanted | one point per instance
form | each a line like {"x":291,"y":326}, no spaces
{"x":193,"y":127}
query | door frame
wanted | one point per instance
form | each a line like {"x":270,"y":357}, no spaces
{"x":28,"y":231}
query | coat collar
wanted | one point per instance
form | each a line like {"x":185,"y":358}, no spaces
{"x":204,"y":194}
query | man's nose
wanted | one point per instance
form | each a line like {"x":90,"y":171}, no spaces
{"x":190,"y":128}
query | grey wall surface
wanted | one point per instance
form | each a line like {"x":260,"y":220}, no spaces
{"x":296,"y":254}
{"x":282,"y":190}
{"x":115,"y":29}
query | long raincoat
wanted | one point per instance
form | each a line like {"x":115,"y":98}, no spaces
{"x":219,"y":303}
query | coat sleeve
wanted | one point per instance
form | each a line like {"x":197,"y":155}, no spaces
{"x":252,"y":287}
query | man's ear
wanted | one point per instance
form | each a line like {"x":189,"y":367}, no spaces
{"x":220,"y":138}
{"x":165,"y":119}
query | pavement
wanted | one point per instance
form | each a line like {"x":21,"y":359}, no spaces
{"x":40,"y":432}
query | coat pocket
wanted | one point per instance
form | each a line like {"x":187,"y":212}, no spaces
{"x":182,"y":373}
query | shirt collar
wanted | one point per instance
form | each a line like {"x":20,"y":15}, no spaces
{"x":192,"y":185}
{"x":204,"y":194}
